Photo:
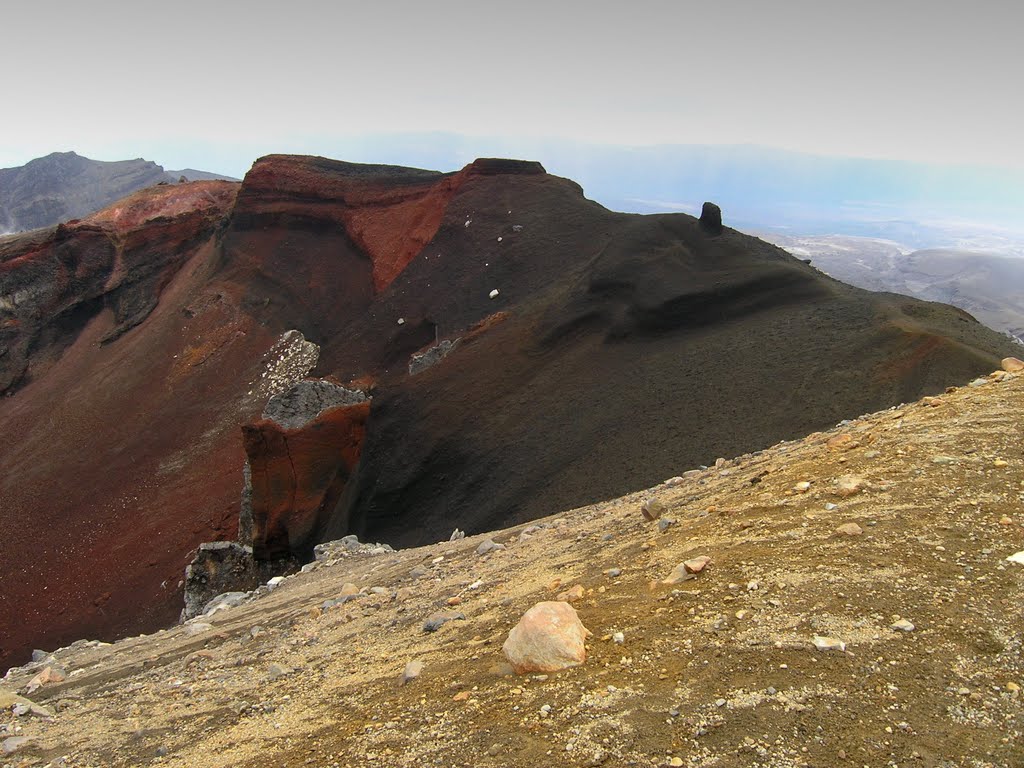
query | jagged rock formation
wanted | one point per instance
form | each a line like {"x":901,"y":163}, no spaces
{"x":617,"y":349}
{"x":63,"y":186}
{"x":298,"y":406}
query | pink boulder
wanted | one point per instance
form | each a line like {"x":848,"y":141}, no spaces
{"x":548,"y":638}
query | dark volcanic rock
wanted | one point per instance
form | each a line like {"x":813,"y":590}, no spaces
{"x":711,"y":218}
{"x":618,"y":351}
{"x":304,"y":401}
{"x":226,"y":566}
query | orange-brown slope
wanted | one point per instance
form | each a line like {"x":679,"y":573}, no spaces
{"x":125,"y":449}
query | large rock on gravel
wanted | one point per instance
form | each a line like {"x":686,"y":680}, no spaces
{"x":548,"y":638}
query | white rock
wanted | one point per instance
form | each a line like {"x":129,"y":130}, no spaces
{"x":493,"y":294}
{"x":903,"y":625}
{"x":411,"y":672}
{"x":828,"y":643}
{"x":1017,"y":557}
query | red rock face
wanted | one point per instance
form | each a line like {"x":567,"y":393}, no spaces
{"x":298,"y":476}
{"x":618,"y":350}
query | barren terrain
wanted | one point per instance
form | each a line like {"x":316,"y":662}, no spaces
{"x":719,"y":670}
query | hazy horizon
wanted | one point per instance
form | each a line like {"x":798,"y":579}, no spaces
{"x":915,"y":81}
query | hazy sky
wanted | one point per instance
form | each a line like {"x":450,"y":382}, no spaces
{"x":179,"y":82}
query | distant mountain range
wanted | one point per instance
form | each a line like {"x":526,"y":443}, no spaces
{"x":64,"y":185}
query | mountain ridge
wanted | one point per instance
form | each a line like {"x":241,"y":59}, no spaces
{"x":590,"y":354}
{"x":64,"y":185}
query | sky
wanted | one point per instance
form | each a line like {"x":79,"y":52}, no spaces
{"x":215,"y":84}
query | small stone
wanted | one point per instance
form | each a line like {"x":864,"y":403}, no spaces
{"x":847,"y":485}
{"x":488,"y":546}
{"x":697,"y":564}
{"x":942,"y":460}
{"x":572,"y":594}
{"x":652,"y":509}
{"x":418,"y":572}
{"x":1013,"y":365}
{"x":277,"y":671}
{"x":828,"y":643}
{"x":52,"y":674}
{"x":830,"y":507}
{"x":672,"y":482}
{"x":1012,"y":687}
{"x":613,"y":573}
{"x":493,"y":294}
{"x":1006,"y":520}
{"x":849,"y":529}
{"x":843,"y":442}
{"x":618,"y":638}
{"x":679,"y":574}
{"x":456,"y":535}
{"x":14,"y":743}
{"x":664,"y":523}
{"x":802,"y":487}
{"x":461,"y":696}
{"x":348,"y":589}
{"x":1000,"y":463}
{"x":903,"y":625}
{"x":676,"y":762}
{"x":1016,"y":557}
{"x":38,"y":655}
{"x":437,"y":620}
{"x":549,"y":637}
{"x":402,"y":594}
{"x":275,"y":582}
{"x":411,"y":672}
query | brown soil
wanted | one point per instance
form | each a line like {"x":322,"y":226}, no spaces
{"x":717,"y":671}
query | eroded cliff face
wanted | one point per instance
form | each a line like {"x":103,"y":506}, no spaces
{"x":298,"y":476}
{"x":53,"y":282}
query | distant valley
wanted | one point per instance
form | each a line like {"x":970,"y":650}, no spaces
{"x":989,"y":285}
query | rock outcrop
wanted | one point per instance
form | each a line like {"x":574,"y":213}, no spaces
{"x":225,"y":566}
{"x":711,"y":218}
{"x":300,"y":404}
{"x":297,"y":476}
